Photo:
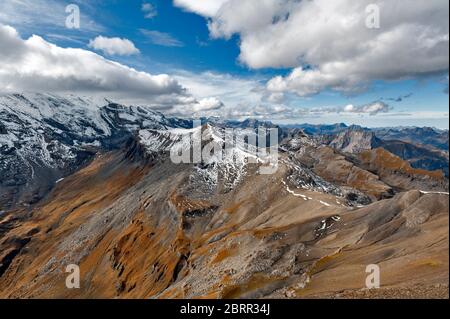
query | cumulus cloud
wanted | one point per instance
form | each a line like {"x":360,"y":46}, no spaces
{"x":191,"y":107}
{"x":233,"y":91}
{"x":276,"y":97}
{"x":281,"y":112}
{"x":264,"y":112}
{"x":37,"y":65}
{"x":373,"y":108}
{"x":327,"y":42}
{"x":246,"y":97}
{"x":149,"y":10}
{"x":230,"y":89}
{"x":113,"y":46}
{"x":205,"y":8}
{"x":161,"y":38}
{"x":207,"y":104}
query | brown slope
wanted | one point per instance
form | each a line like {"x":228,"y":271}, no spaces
{"x":399,"y":174}
{"x":136,"y":233}
{"x":335,"y":168}
{"x":406,"y":236}
{"x":377,"y":173}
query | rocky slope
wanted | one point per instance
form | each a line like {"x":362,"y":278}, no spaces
{"x":424,"y":136}
{"x":399,"y":173}
{"x":421,"y":157}
{"x":44,"y":138}
{"x":424,"y":148}
{"x":427,"y":137}
{"x":141,"y":226}
{"x":373,"y":171}
{"x":355,"y":140}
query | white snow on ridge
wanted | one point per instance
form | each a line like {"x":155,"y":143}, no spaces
{"x":324,"y":203}
{"x":293,"y":193}
{"x":438,"y":193}
{"x":50,"y":130}
{"x":306,"y":198}
{"x":222,"y":155}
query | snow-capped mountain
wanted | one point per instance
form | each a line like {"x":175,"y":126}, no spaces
{"x":152,"y":224}
{"x":44,"y":137}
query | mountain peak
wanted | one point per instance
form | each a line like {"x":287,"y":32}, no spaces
{"x":355,"y":139}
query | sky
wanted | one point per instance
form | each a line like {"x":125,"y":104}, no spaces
{"x":368,"y":62}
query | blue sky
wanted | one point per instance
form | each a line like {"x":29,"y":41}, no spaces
{"x":215,"y":55}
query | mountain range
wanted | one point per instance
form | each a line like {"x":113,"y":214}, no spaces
{"x":91,"y":182}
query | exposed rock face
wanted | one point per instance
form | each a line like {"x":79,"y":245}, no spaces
{"x":424,"y":148}
{"x":140,"y":230}
{"x":399,"y":173}
{"x":424,"y":136}
{"x":141,"y":226}
{"x":3,"y":130}
{"x":337,"y":169}
{"x":320,"y":129}
{"x":355,"y":140}
{"x":419,"y":156}
{"x":376,"y":173}
{"x":46,"y":137}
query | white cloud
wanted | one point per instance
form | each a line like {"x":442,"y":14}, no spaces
{"x":191,"y":106}
{"x":149,"y":10}
{"x":113,"y":46}
{"x":205,"y":8}
{"x":230,"y":89}
{"x":233,"y":91}
{"x":37,"y":65}
{"x":373,"y":108}
{"x":161,"y":38}
{"x":282,"y":112}
{"x":263,"y":112}
{"x":276,"y":97}
{"x":247,"y":97}
{"x":327,"y":42}
{"x":207,"y":104}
